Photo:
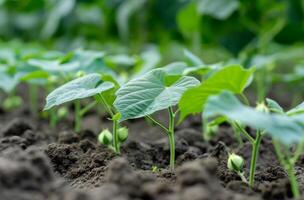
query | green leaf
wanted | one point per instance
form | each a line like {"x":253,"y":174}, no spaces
{"x":297,"y":110}
{"x":186,"y":26}
{"x":83,"y":87}
{"x":149,"y":93}
{"x":274,"y":106}
{"x":219,"y":9}
{"x":233,"y":78}
{"x":8,"y":82}
{"x":278,"y":126}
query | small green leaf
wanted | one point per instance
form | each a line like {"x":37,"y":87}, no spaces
{"x":233,"y":78}
{"x":274,"y":106}
{"x":79,"y":88}
{"x":281,"y":127}
{"x":149,"y":93}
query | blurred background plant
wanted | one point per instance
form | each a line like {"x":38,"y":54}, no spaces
{"x":267,"y":34}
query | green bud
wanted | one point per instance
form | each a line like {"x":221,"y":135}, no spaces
{"x":80,"y":74}
{"x":62,"y":112}
{"x":262,"y":107}
{"x":105,"y":137}
{"x":235,"y":163}
{"x":123,"y":134}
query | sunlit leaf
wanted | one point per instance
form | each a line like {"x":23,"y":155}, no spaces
{"x":80,"y":88}
{"x":233,"y":78}
{"x":149,"y":93}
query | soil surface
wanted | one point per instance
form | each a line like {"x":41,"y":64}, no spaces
{"x":37,"y":163}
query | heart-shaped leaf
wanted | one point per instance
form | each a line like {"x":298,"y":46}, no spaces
{"x":83,"y":87}
{"x":233,"y":78}
{"x":150,"y":93}
{"x":279,"y":126}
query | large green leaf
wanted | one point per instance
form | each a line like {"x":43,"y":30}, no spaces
{"x":279,"y":126}
{"x":79,"y":88}
{"x":150,"y":93}
{"x":233,"y":78}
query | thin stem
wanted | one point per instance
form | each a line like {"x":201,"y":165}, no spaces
{"x":297,"y":153}
{"x":87,"y":108}
{"x":292,"y":179}
{"x":237,"y":132}
{"x":289,"y":167}
{"x":116,"y":137}
{"x":254,"y":156}
{"x":77,"y":126}
{"x":157,"y":123}
{"x":106,"y":105}
{"x":53,"y":118}
{"x":246,"y":134}
{"x":171,"y":138}
{"x":243,"y":178}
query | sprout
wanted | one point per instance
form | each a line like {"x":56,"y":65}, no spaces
{"x":123,"y":134}
{"x":235,"y":163}
{"x":105,"y":137}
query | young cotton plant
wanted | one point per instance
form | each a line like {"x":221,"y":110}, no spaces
{"x":152,"y":92}
{"x":285,"y":154}
{"x":233,"y":78}
{"x":102,"y":88}
{"x":280,"y":127}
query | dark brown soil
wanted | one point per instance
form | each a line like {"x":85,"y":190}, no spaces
{"x":38,"y":163}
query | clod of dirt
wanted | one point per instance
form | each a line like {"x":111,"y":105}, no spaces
{"x":197,"y":180}
{"x":16,"y":127}
{"x":129,"y":181}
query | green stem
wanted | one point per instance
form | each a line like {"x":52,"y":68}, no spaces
{"x":288,"y":165}
{"x":246,"y":134}
{"x":293,"y":180}
{"x":106,"y":105}
{"x":53,"y":117}
{"x":237,"y":133}
{"x":116,"y":137}
{"x":157,"y":123}
{"x":171,"y":138}
{"x":77,"y":125}
{"x":243,"y":178}
{"x":254,"y":156}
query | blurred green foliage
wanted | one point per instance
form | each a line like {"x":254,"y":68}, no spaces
{"x":233,"y":24}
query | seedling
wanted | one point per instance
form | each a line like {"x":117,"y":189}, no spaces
{"x":106,"y":138}
{"x":236,"y":163}
{"x":286,"y":156}
{"x":151,"y":92}
{"x":91,"y":85}
{"x":280,"y":127}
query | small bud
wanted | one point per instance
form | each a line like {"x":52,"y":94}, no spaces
{"x":235,"y":163}
{"x":105,"y":137}
{"x":123,"y":134}
{"x":62,"y":112}
{"x":80,"y":74}
{"x":262,"y":107}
